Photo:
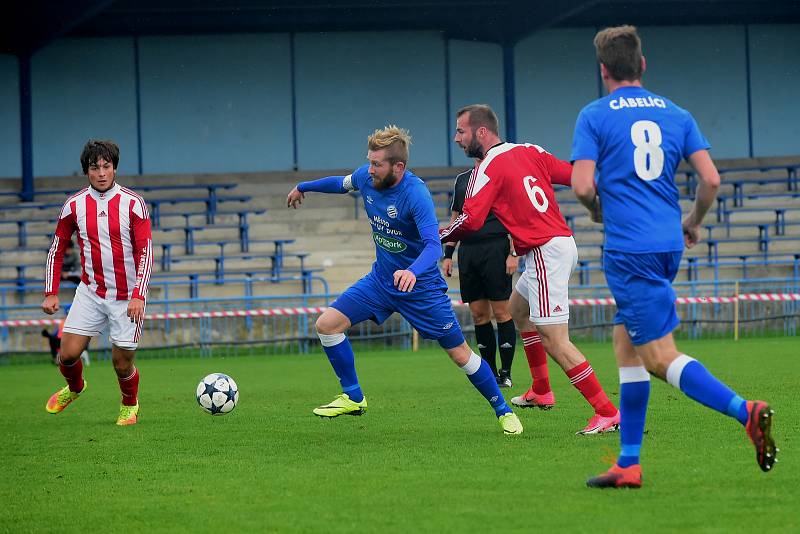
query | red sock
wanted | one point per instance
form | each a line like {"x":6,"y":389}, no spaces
{"x":583,"y":378}
{"x":130,"y":388}
{"x":537,"y":361}
{"x":73,"y":373}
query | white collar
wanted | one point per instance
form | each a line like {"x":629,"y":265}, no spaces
{"x":105,"y":195}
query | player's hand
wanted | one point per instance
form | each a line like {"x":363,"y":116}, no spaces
{"x":295,"y":198}
{"x":50,"y":304}
{"x":136,"y":310}
{"x":512,"y":262}
{"x":405,"y":280}
{"x":596,"y":211}
{"x":447,"y":266}
{"x":691,"y":232}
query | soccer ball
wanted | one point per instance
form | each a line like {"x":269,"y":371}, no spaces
{"x":217,"y":394}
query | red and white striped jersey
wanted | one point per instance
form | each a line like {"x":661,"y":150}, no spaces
{"x":114,"y":240}
{"x":515,"y":182}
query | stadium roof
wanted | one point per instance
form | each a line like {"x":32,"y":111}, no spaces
{"x":27,"y":26}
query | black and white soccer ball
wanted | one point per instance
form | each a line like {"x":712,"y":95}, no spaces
{"x":217,"y":394}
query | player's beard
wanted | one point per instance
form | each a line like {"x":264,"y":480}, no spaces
{"x":384,"y":183}
{"x":474,"y":149}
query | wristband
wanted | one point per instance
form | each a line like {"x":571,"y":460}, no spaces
{"x":448,"y":251}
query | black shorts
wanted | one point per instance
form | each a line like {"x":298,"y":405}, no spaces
{"x":482,"y":270}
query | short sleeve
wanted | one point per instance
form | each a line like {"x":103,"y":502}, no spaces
{"x":585,"y":141}
{"x":694,"y":139}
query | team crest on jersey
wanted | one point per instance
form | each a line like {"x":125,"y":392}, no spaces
{"x":391,"y":211}
{"x":388,"y":243}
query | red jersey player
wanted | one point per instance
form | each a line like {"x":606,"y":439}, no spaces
{"x":114,"y":238}
{"x":515,"y":183}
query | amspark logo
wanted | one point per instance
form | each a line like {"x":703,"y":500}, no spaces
{"x":388,"y":243}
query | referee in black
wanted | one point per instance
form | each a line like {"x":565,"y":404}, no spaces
{"x":486,"y":264}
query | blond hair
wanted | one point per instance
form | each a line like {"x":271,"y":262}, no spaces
{"x":394,"y":139}
{"x":620,"y":50}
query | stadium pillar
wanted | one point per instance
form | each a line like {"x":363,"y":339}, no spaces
{"x":508,"y":91}
{"x":26,"y":126}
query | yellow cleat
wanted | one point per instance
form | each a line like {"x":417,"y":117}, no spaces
{"x":62,"y":398}
{"x":127,"y":415}
{"x":510,"y":423}
{"x":342,"y":405}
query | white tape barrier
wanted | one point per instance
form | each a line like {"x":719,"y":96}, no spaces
{"x":266,"y":312}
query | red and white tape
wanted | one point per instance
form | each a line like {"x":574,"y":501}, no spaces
{"x":266,"y":312}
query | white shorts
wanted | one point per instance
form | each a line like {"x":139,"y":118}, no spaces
{"x":90,"y":315}
{"x":546,"y":279}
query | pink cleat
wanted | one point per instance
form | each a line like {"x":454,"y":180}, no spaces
{"x":759,"y":430}
{"x":600,"y":425}
{"x":529,"y":399}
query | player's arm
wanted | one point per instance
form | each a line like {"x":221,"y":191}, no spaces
{"x":143,"y":259}
{"x":55,"y":259}
{"x":449,"y":249}
{"x":406,"y":279}
{"x":585,"y":153}
{"x":329,"y":184}
{"x":512,"y":261}
{"x":584,"y":188}
{"x":476,"y":208}
{"x":560,"y":171}
{"x":706,"y":193}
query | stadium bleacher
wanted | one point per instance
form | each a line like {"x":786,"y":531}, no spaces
{"x":754,"y":232}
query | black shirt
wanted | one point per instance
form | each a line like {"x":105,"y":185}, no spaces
{"x":491,"y":229}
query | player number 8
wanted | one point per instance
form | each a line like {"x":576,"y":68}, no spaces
{"x":536,"y":194}
{"x":648,"y":158}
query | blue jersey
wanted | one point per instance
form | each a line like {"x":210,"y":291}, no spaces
{"x":637,"y":139}
{"x":397,"y":215}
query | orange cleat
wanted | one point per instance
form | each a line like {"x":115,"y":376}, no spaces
{"x":618,"y":477}
{"x":62,"y":398}
{"x":127,"y":414}
{"x":759,"y":430}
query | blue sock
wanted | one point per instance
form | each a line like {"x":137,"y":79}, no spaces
{"x":691,"y":377}
{"x":634,"y":392}
{"x":340,"y":353}
{"x":482,"y":377}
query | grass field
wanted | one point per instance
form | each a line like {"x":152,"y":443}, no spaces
{"x":428,"y":456}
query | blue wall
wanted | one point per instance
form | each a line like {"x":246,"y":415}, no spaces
{"x":82,"y":88}
{"x":349,"y":84}
{"x":476,"y":77}
{"x":10,"y":155}
{"x":555,"y":77}
{"x":704,"y":71}
{"x":224,"y":103}
{"x":215,"y":103}
{"x":775,"y":86}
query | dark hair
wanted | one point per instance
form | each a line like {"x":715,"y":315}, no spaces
{"x":481,"y":115}
{"x":620,"y":50}
{"x":96,"y":149}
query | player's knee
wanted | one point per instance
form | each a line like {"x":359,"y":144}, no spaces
{"x":326,"y":326}
{"x":481,"y":317}
{"x":521,"y":319}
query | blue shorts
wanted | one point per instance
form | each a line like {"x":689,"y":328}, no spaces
{"x":642,"y":286}
{"x":429,"y":311}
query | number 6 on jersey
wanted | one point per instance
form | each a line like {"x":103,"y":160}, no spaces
{"x":536,"y":194}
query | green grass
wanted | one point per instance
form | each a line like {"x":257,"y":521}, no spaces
{"x":429,"y":455}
